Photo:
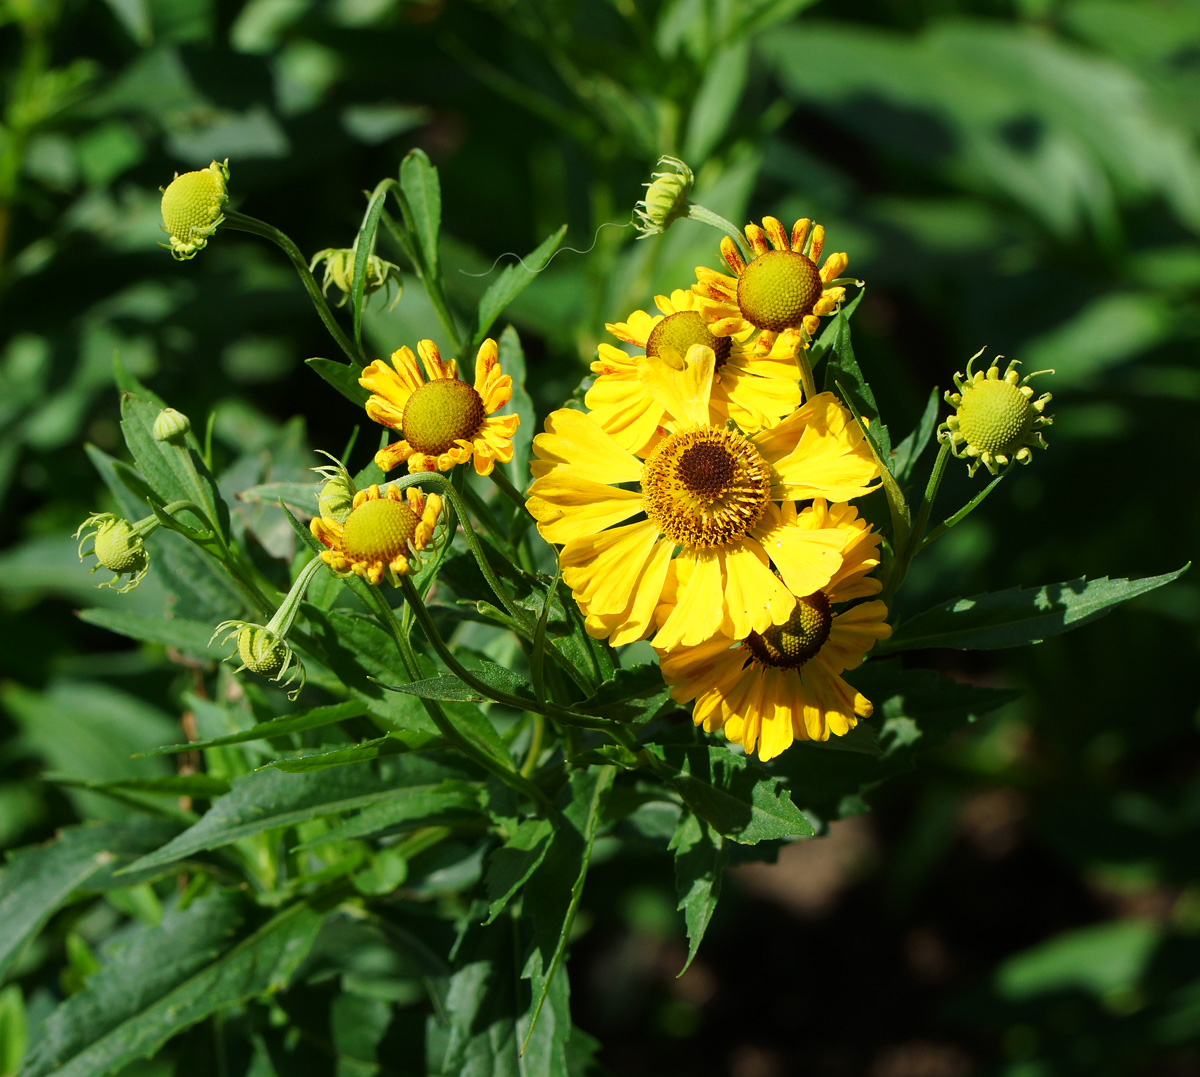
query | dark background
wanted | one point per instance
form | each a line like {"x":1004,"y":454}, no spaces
{"x":1021,"y":175}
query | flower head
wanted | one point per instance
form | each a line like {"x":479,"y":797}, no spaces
{"x":666,"y":197}
{"x":339,"y":271}
{"x":445,"y":421}
{"x":262,"y":652}
{"x":780,"y":290}
{"x":193,"y":205}
{"x":171,"y":426}
{"x":752,"y":390}
{"x":117,"y":545}
{"x":996,"y":420}
{"x":382,"y":535}
{"x":784,"y":683}
{"x":707,"y":497}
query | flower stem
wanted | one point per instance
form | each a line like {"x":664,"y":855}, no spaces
{"x":912,"y":543}
{"x":256,"y":227}
{"x":707,"y":216}
{"x":508,"y":490}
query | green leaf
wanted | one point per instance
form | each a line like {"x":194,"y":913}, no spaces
{"x":716,"y":99}
{"x":447,"y":686}
{"x":908,"y":452}
{"x":268,"y":799}
{"x":552,"y":893}
{"x":630,"y":695}
{"x":190,"y":637}
{"x":423,"y":194}
{"x":173,"y":785}
{"x":364,"y":246}
{"x":395,"y":743}
{"x":1020,"y":615}
{"x":343,"y":377}
{"x":737,"y":798}
{"x":844,"y":377}
{"x":39,"y":880}
{"x":513,"y":280}
{"x":511,"y":865}
{"x":168,"y":978}
{"x":14,"y":1028}
{"x":512,"y":362}
{"x":700,"y":859}
{"x":449,"y":801}
{"x":278,"y":727}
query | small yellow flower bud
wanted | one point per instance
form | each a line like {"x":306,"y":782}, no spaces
{"x":192,"y":207}
{"x":117,"y":546}
{"x":171,"y":426}
{"x":666,"y":197}
{"x":339,"y":271}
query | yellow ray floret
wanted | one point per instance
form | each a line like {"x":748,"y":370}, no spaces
{"x":444,"y":421}
{"x":382,"y":535}
{"x":780,"y":291}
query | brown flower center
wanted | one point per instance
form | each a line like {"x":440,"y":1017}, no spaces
{"x":794,"y":642}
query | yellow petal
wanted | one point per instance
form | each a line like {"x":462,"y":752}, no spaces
{"x":574,"y":440}
{"x":568,"y":507}
{"x":682,"y":393}
{"x":699,"y":612}
{"x":754,"y":597}
{"x":603,"y":569}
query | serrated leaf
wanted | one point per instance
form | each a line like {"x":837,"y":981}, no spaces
{"x":38,"y":880}
{"x":513,"y":280}
{"x":700,"y":860}
{"x":268,"y":799}
{"x":737,"y":798}
{"x":446,"y":686}
{"x":512,"y":863}
{"x":1020,"y":615}
{"x":423,"y":193}
{"x":278,"y":727}
{"x":395,"y":743}
{"x":552,"y":893}
{"x":190,"y":637}
{"x":167,"y":979}
{"x":630,"y":695}
{"x":343,"y":377}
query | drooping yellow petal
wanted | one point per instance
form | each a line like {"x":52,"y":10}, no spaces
{"x":806,"y":558}
{"x":568,"y":507}
{"x":682,"y":393}
{"x":635,"y":620}
{"x":776,"y":733}
{"x":699,"y":612}
{"x":754,"y":596}
{"x":603,"y":569}
{"x":574,"y":440}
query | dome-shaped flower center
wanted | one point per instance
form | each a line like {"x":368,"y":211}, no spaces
{"x":679,"y":331}
{"x":192,"y":201}
{"x":441,"y":412}
{"x":777,"y":289}
{"x":378,"y":531}
{"x":794,"y":642}
{"x":995,"y":416}
{"x":705,"y":487}
{"x":118,"y":548}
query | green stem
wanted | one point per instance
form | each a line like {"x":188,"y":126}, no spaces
{"x":243,"y":223}
{"x":445,"y":726}
{"x":535,"y":745}
{"x":509,"y":491}
{"x":807,"y":381}
{"x":707,"y":216}
{"x":911,"y":546}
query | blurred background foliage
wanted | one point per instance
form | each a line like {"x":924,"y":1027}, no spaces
{"x":1021,"y":174}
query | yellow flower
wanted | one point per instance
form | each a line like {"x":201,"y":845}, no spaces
{"x":753,"y":391}
{"x":708,"y":492}
{"x":382,"y":534}
{"x":444,"y":420}
{"x":779,"y":291}
{"x":785,"y":684}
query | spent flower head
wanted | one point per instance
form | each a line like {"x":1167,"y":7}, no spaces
{"x":193,"y":205}
{"x":261,"y":651}
{"x":117,"y":546}
{"x":666,"y":197}
{"x":339,"y":271}
{"x":996,"y":419}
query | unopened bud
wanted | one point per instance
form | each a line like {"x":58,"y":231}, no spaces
{"x":171,"y":426}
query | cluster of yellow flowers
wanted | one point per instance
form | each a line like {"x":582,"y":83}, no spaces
{"x":674,"y":497}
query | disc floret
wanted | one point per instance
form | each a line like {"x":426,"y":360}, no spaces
{"x":996,"y":418}
{"x":193,"y":206}
{"x":382,"y":535}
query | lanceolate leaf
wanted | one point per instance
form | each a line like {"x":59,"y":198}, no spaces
{"x":190,"y":637}
{"x":414,"y":805}
{"x":39,"y":880}
{"x":446,"y":686}
{"x":737,"y":798}
{"x":294,"y":723}
{"x":270,"y":798}
{"x":515,"y":860}
{"x":512,"y":282}
{"x":908,"y":452}
{"x":343,"y":377}
{"x":423,"y":194}
{"x":700,"y":859}
{"x":168,"y":978}
{"x":1018,"y":616}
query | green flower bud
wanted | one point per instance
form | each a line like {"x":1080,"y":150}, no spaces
{"x":171,"y":426}
{"x":261,"y":651}
{"x":339,"y":271}
{"x":666,"y":197}
{"x":193,"y":206}
{"x":117,"y":546}
{"x":996,"y":420}
{"x":336,"y":498}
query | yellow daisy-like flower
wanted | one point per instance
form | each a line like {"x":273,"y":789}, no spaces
{"x":752,"y":390}
{"x":382,"y":535}
{"x":785,"y":684}
{"x":705,"y":491}
{"x":779,"y":291}
{"x":445,"y":421}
